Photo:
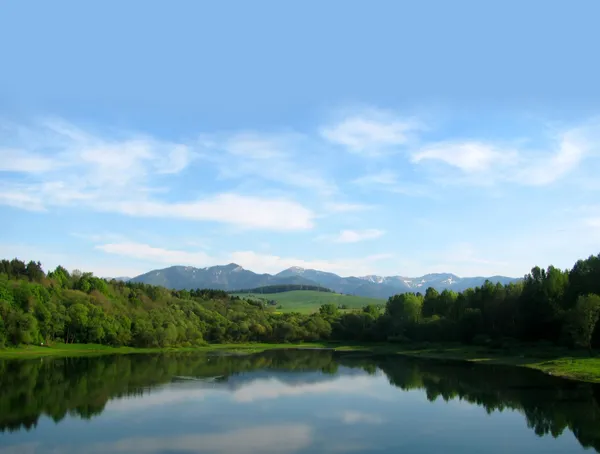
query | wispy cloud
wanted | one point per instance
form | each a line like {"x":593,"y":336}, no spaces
{"x":347,"y":207}
{"x":76,"y":168}
{"x":485,"y":162}
{"x":155,"y":254}
{"x":388,"y":181}
{"x":353,"y":236}
{"x":593,"y":222}
{"x":13,"y":160}
{"x":383,"y":178}
{"x":17,"y":197}
{"x":255,"y":261}
{"x":239,"y":210}
{"x":371,"y":132}
{"x":288,"y":159}
{"x":467,"y":156}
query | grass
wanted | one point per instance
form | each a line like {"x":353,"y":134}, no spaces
{"x":59,"y":349}
{"x":571,"y":364}
{"x":309,"y":301}
{"x":575,"y":365}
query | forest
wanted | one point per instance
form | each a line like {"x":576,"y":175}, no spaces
{"x":548,"y":305}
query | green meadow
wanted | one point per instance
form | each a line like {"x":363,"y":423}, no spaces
{"x":308,"y":301}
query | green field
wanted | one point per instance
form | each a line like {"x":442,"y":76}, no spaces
{"x":307,"y":301}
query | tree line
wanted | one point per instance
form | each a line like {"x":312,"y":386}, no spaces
{"x":551,"y":305}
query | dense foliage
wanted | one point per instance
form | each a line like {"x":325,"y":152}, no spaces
{"x":79,"y":307}
{"x":548,"y":305}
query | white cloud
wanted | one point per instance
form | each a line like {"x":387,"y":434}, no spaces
{"x":257,"y":262}
{"x":154,"y":254}
{"x":593,"y":222}
{"x":179,"y":157}
{"x":573,"y":147}
{"x":255,"y":146}
{"x":383,"y":178}
{"x":388,"y":181}
{"x":22,"y":200}
{"x":355,"y":236}
{"x":467,"y":156}
{"x":12,"y":160}
{"x":243,"y":211}
{"x":347,"y":207}
{"x":272,"y":263}
{"x":370,"y":133}
{"x":487,"y":162}
{"x":288,"y":159}
{"x":117,"y":175}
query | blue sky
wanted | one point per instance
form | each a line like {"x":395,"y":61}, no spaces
{"x":353,"y":137}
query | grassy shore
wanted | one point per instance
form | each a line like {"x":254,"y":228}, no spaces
{"x":575,"y":365}
{"x":31,"y":351}
{"x":571,"y":364}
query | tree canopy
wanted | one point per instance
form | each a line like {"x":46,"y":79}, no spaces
{"x":560,"y":306}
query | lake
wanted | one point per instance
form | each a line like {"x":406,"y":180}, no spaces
{"x":289,"y":401}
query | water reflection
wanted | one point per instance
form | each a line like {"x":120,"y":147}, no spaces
{"x":288,"y":402}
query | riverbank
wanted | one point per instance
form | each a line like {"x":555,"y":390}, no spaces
{"x":565,"y":363}
{"x":31,"y":351}
{"x":571,"y":364}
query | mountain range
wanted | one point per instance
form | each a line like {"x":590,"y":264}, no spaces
{"x":233,"y":277}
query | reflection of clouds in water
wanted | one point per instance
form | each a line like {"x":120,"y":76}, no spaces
{"x":272,"y":388}
{"x":356,"y":417}
{"x":274,"y":439}
{"x":252,"y":391}
{"x":164,"y":396}
{"x":284,"y":438}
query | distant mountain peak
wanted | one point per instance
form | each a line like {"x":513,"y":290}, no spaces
{"x":232,"y":267}
{"x":294,"y":269}
{"x":234,"y":277}
{"x":373,"y":278}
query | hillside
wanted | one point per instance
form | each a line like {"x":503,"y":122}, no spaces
{"x":225,"y":277}
{"x":550,"y":305}
{"x":233,"y":277}
{"x":309,"y":301}
{"x":283,"y":288}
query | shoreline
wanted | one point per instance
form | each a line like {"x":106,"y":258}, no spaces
{"x":573,"y":365}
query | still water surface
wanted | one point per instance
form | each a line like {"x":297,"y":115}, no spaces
{"x":289,"y":401}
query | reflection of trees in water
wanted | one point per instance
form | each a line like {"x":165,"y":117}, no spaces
{"x":550,"y":404}
{"x":82,"y":386}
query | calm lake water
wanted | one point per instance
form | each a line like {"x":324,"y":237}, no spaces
{"x":289,"y":401}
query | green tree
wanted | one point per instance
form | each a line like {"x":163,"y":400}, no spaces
{"x":583,"y":318}
{"x":430,"y":302}
{"x":405,"y":307}
{"x":328,"y":310}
